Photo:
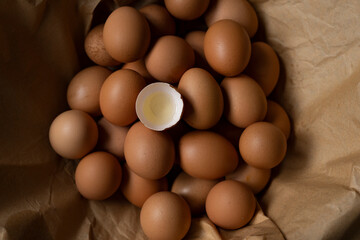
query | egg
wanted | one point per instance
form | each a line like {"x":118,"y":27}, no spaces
{"x":84,"y":89}
{"x":255,"y":178}
{"x":262,"y":145}
{"x":263,"y":66}
{"x":95,"y":49}
{"x":229,"y":131}
{"x":244,"y":101}
{"x":186,"y":9}
{"x":193,"y":190}
{"x":208,"y":155}
{"x":111,"y":137}
{"x":277,"y":116}
{"x":169,"y":58}
{"x":73,"y":134}
{"x":165,"y":215}
{"x":150,"y":154}
{"x":118,"y":96}
{"x":159,"y":19}
{"x":240,"y":11}
{"x":230,"y":204}
{"x":98,"y":175}
{"x":139,"y":67}
{"x":137,"y":189}
{"x":126,"y":34}
{"x":203,"y":99}
{"x":227,"y":47}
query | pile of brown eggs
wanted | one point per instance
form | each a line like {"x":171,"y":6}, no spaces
{"x":210,"y":160}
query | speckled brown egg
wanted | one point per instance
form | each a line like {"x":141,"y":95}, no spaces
{"x":240,"y":11}
{"x":230,"y":204}
{"x":137,"y":189}
{"x":150,"y":154}
{"x":98,"y":175}
{"x":139,"y":67}
{"x":95,"y":49}
{"x":208,"y":155}
{"x":193,"y":190}
{"x":227,"y":47}
{"x":244,"y":101}
{"x":277,"y":116}
{"x":255,"y":178}
{"x":203,"y":99}
{"x":263,"y":66}
{"x":118,"y":96}
{"x":84,"y":89}
{"x":186,"y":9}
{"x":262,"y":145}
{"x":111,"y":138}
{"x":159,"y":19}
{"x":165,"y":215}
{"x":126,"y":34}
{"x":73,"y":134}
{"x":169,"y":58}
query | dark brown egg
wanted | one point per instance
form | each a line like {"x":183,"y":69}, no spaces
{"x":277,"y":116}
{"x":229,"y":131}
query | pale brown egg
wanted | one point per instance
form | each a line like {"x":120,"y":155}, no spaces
{"x":277,"y":116}
{"x":193,"y":190}
{"x":73,"y":134}
{"x":208,"y":155}
{"x":255,"y":178}
{"x":159,"y":19}
{"x":165,"y":215}
{"x":169,"y":58}
{"x":230,"y":204}
{"x":262,"y":145}
{"x":263,"y":66}
{"x":150,"y":154}
{"x":139,"y":67}
{"x":126,"y":34}
{"x":98,"y":175}
{"x":186,"y":9}
{"x":240,"y":11}
{"x":244,"y":101}
{"x":137,"y":189}
{"x":203,"y":99}
{"x":84,"y":89}
{"x":227,"y":47}
{"x":118,"y":96}
{"x":95,"y":49}
{"x":111,"y":138}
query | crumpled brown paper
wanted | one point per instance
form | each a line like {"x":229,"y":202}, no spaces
{"x":314,"y":193}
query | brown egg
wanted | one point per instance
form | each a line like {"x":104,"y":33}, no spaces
{"x":98,"y":175}
{"x":169,"y":58}
{"x":263,"y":66}
{"x":186,"y":9}
{"x":112,"y":138}
{"x":150,"y":154}
{"x":159,"y":19}
{"x":165,"y":215}
{"x":240,"y":11}
{"x":230,"y":204}
{"x":277,"y":116}
{"x":139,"y":67}
{"x":193,"y":190}
{"x":137,"y":189}
{"x":227,"y":47}
{"x":229,"y":131}
{"x":126,"y":34}
{"x":262,"y":145}
{"x":208,"y":155}
{"x":255,"y":178}
{"x":203,"y":99}
{"x":73,"y":134}
{"x":118,"y":96}
{"x":95,"y":49}
{"x":84,"y":89}
{"x":244,"y":101}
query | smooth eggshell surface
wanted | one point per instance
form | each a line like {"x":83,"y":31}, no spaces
{"x":139,"y":67}
{"x":186,"y":9}
{"x":277,"y":116}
